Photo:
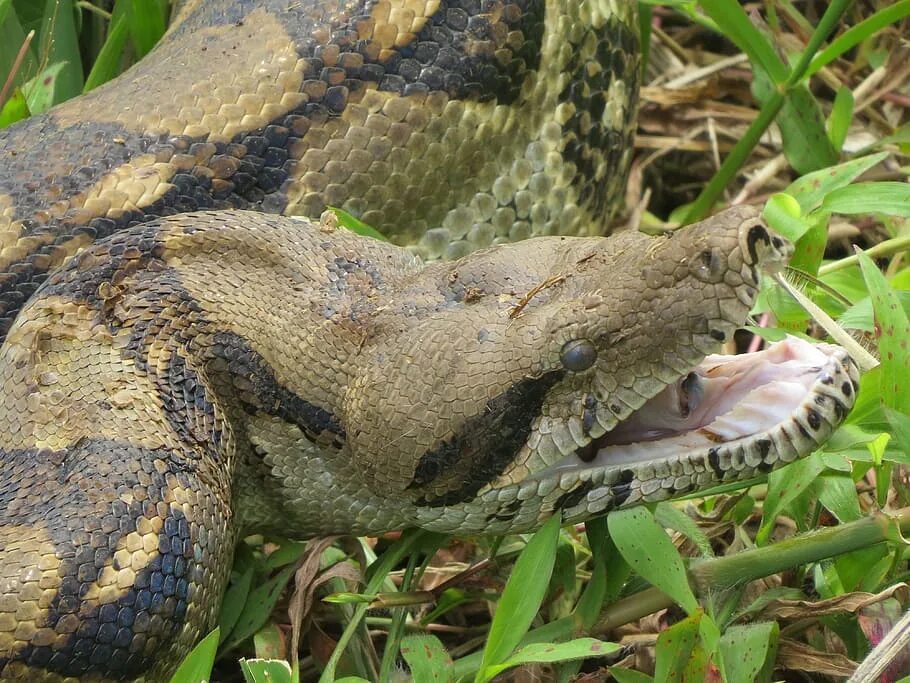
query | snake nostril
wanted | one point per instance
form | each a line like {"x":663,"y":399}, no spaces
{"x":709,"y":266}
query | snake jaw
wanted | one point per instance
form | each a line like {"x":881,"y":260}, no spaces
{"x":731,"y":401}
{"x":614,"y":446}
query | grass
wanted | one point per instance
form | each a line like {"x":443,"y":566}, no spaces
{"x":805,"y":111}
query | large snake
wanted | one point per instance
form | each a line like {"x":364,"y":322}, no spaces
{"x":173,"y":379}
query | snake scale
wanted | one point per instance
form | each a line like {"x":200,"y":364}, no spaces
{"x":177,"y":372}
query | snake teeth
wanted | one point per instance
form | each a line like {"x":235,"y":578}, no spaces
{"x":747,"y":412}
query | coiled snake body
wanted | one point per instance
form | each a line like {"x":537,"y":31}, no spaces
{"x":172,"y":379}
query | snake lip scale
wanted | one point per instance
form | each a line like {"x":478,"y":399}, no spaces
{"x":181,"y":367}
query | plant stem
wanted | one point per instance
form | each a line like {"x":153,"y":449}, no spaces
{"x":886,"y":248}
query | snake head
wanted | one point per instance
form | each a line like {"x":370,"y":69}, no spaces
{"x":536,"y":369}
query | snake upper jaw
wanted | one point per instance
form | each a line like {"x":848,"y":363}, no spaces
{"x":731,"y":418}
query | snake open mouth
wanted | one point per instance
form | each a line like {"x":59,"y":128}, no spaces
{"x":757,"y":409}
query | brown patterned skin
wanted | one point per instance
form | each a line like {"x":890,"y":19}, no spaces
{"x":448,"y":125}
{"x":194,"y":377}
{"x":209,"y":375}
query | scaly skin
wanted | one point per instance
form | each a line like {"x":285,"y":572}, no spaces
{"x":446,"y":129}
{"x":211,"y":375}
{"x":202,"y":376}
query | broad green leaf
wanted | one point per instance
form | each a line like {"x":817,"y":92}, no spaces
{"x":805,"y":141}
{"x":893,"y":331}
{"x":854,"y":569}
{"x":269,"y":642}
{"x":840,"y":118}
{"x":811,"y":189}
{"x":522,"y":596}
{"x":603,"y":548}
{"x":679,"y":652}
{"x":40,"y":91}
{"x":563,"y":577}
{"x":265,"y":670}
{"x":15,"y":109}
{"x":427,"y":659}
{"x":196,"y":667}
{"x":891,"y":198}
{"x":580,"y":648}
{"x":782,"y":212}
{"x":59,"y":43}
{"x":287,"y":552}
{"x":648,"y":549}
{"x":837,"y":492}
{"x":591,"y":601}
{"x":900,"y":424}
{"x":749,"y":651}
{"x":860,"y":315}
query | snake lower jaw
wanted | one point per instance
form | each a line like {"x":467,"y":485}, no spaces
{"x":731,"y":418}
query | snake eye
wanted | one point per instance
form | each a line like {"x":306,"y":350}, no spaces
{"x":578,"y":355}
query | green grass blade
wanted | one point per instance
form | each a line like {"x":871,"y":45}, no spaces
{"x":784,"y":485}
{"x":59,"y":42}
{"x":736,"y":25}
{"x":702,"y":206}
{"x":857,"y":34}
{"x":891,"y":198}
{"x":548,"y":653}
{"x":197,"y":665}
{"x":522,"y":596}
{"x":12,"y":37}
{"x":810,"y":190}
{"x":841,"y":115}
{"x":107,"y":65}
{"x":147,"y":24}
{"x":233,"y":602}
{"x":826,"y":26}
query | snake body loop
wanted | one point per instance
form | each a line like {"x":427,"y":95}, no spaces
{"x":178,"y":371}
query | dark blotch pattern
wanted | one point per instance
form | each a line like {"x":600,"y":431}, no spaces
{"x":483,"y":447}
{"x":814,"y":419}
{"x":714,"y":462}
{"x":572,"y":498}
{"x":621,"y":489}
{"x":120,"y":638}
{"x":231,"y":357}
{"x":589,"y":143}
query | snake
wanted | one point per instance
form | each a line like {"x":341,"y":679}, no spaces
{"x":195,"y":350}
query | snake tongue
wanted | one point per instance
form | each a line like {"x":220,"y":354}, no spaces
{"x":731,"y":398}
